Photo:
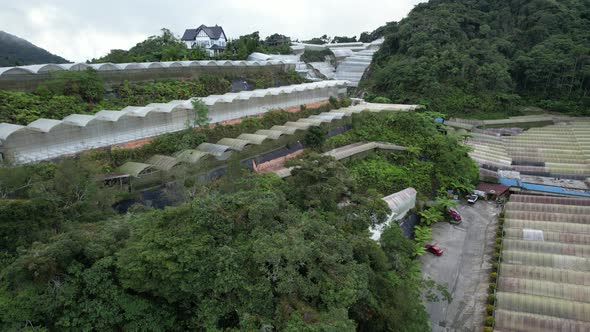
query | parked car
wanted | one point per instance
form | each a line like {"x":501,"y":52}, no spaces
{"x":454,"y":214}
{"x":435,"y":250}
{"x":471,"y":199}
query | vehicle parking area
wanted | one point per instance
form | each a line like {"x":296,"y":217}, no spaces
{"x":464,"y":267}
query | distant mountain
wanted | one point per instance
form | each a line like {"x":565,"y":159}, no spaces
{"x":15,"y":51}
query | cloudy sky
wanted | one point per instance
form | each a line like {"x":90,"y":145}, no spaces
{"x":79,"y":29}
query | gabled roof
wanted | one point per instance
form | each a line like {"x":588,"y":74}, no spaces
{"x":213,"y":32}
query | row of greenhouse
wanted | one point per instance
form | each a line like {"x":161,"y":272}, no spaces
{"x":560,"y":150}
{"x":544,"y":276}
{"x":206,"y":154}
{"x":103,"y":67}
{"x":46,"y":139}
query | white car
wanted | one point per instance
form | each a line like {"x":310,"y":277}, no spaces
{"x":471,"y":199}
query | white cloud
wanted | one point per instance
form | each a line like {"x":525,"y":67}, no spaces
{"x":79,"y":30}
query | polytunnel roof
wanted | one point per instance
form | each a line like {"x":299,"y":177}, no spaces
{"x":311,"y":122}
{"x":298,"y":125}
{"x":253,"y":138}
{"x":287,"y":130}
{"x":399,"y":201}
{"x":134,"y":169}
{"x":272,"y":134}
{"x":112,"y":116}
{"x":544,"y":276}
{"x":214,"y":149}
{"x":80,"y":120}
{"x":7,"y":129}
{"x":44,"y":125}
{"x":191,"y":156}
{"x":163,"y":163}
{"x":234,"y":144}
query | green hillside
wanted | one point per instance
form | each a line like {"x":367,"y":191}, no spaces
{"x":484,"y":58}
{"x":15,"y":51}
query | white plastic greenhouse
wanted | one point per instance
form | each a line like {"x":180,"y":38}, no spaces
{"x":46,"y":139}
{"x":544,"y":275}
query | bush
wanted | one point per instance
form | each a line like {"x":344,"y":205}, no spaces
{"x":488,"y":329}
{"x":498,"y":247}
{"x":345,"y":102}
{"x":492,"y":287}
{"x":490,"y":309}
{"x":495,"y":266}
{"x":499,"y":240}
{"x":496,"y":256}
{"x":381,"y":100}
{"x":494,"y":276}
{"x":491,"y":299}
{"x":316,"y":56}
{"x":334,"y":102}
{"x":499,"y":232}
{"x":489,"y":321}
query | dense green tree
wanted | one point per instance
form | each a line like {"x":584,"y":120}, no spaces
{"x":478,"y":58}
{"x":254,"y":257}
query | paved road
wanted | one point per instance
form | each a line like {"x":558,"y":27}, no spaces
{"x":464,"y":267}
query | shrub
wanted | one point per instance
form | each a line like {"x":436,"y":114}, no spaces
{"x":501,"y":215}
{"x":499,"y":232}
{"x":495,"y":266}
{"x":496,"y":256}
{"x":488,"y":329}
{"x":491,"y":299}
{"x":492,"y":287}
{"x":489,"y":321}
{"x":334,"y":102}
{"x":498,"y":247}
{"x":381,"y":100}
{"x":499,"y":240}
{"x":490,"y":308}
{"x":345,"y":102}
{"x":493,"y":275}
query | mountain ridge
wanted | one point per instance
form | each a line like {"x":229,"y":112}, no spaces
{"x":16,"y":51}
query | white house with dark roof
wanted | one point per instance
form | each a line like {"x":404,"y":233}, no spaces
{"x":212,"y":39}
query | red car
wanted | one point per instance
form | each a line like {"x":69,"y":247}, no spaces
{"x":454,"y":214}
{"x":435,"y":250}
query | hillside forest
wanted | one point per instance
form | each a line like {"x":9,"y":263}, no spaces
{"x":487,"y":58}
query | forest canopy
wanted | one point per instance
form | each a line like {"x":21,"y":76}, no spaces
{"x":474,"y":58}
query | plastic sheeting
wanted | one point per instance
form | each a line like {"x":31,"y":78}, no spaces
{"x":544,"y":276}
{"x":47,"y":139}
